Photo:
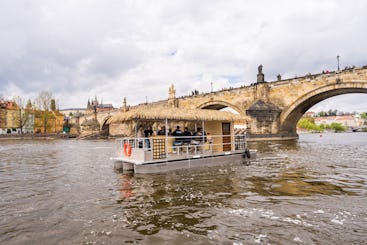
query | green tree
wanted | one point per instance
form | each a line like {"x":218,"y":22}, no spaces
{"x":308,"y":124}
{"x":338,"y":127}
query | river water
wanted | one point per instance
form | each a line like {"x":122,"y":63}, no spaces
{"x":309,"y":191}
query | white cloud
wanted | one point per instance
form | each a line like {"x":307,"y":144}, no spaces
{"x":112,"y":49}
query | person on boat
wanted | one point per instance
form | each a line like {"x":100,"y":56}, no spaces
{"x":177,"y":132}
{"x":140,"y":135}
{"x":162,"y":131}
{"x":198,"y":137}
{"x":187,"y":136}
{"x":147,"y":133}
{"x":178,"y":140}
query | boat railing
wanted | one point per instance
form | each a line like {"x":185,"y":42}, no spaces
{"x":160,"y":147}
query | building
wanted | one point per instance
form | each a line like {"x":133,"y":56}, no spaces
{"x":72,"y":112}
{"x":2,"y":116}
{"x":58,"y":122}
{"x":48,"y":122}
{"x":349,"y":121}
{"x":309,"y":114}
{"x":28,"y":126}
{"x":95,"y":106}
{"x":12,"y":121}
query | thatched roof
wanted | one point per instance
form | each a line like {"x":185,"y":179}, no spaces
{"x":147,"y":113}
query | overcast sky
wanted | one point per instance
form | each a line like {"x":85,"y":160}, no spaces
{"x":112,"y":48}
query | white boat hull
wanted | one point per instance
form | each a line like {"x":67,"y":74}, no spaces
{"x":225,"y":158}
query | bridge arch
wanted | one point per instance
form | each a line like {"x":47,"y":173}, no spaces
{"x":290,"y":115}
{"x":104,"y":126}
{"x":218,"y":105}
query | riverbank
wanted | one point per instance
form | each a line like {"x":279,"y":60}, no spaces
{"x":50,"y":137}
{"x":34,"y":136}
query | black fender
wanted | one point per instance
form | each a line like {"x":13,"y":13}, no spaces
{"x":247,"y":154}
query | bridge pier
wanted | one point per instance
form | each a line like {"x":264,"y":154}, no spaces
{"x":265,"y":123}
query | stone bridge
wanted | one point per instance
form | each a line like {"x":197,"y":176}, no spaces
{"x":272,"y":109}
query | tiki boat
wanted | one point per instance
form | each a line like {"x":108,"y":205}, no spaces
{"x":216,"y":144}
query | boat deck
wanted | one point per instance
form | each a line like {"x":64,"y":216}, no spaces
{"x":154,"y":155}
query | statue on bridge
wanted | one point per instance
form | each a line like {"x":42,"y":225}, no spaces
{"x":260,"y":74}
{"x":172,"y":96}
{"x":260,"y":69}
{"x":279,"y":77}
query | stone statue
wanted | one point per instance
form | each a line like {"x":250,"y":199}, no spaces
{"x":172,"y":92}
{"x":260,"y":75}
{"x":279,"y":77}
{"x":260,"y":69}
{"x":172,"y":96}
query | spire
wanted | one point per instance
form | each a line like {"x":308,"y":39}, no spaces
{"x":124,"y":105}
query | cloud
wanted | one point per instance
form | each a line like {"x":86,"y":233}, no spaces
{"x":113,"y":49}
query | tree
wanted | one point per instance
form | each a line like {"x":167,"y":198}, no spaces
{"x":309,"y":124}
{"x":43,"y":102}
{"x":23,"y":114}
{"x":338,"y":127}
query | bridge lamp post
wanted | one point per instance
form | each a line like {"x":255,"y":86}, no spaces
{"x":337,"y":57}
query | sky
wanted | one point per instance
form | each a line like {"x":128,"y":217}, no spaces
{"x":79,"y":49}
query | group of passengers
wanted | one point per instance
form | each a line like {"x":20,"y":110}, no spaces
{"x":181,"y":137}
{"x":188,"y":138}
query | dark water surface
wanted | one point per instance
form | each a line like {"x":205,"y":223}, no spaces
{"x":310,"y":191}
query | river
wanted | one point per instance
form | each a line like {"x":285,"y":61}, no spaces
{"x":309,"y":191}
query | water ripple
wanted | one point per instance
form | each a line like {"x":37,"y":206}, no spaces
{"x":308,"y":191}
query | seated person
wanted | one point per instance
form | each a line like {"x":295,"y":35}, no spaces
{"x":162,"y":131}
{"x":198,"y":137}
{"x":187,"y":136}
{"x":178,"y":140}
